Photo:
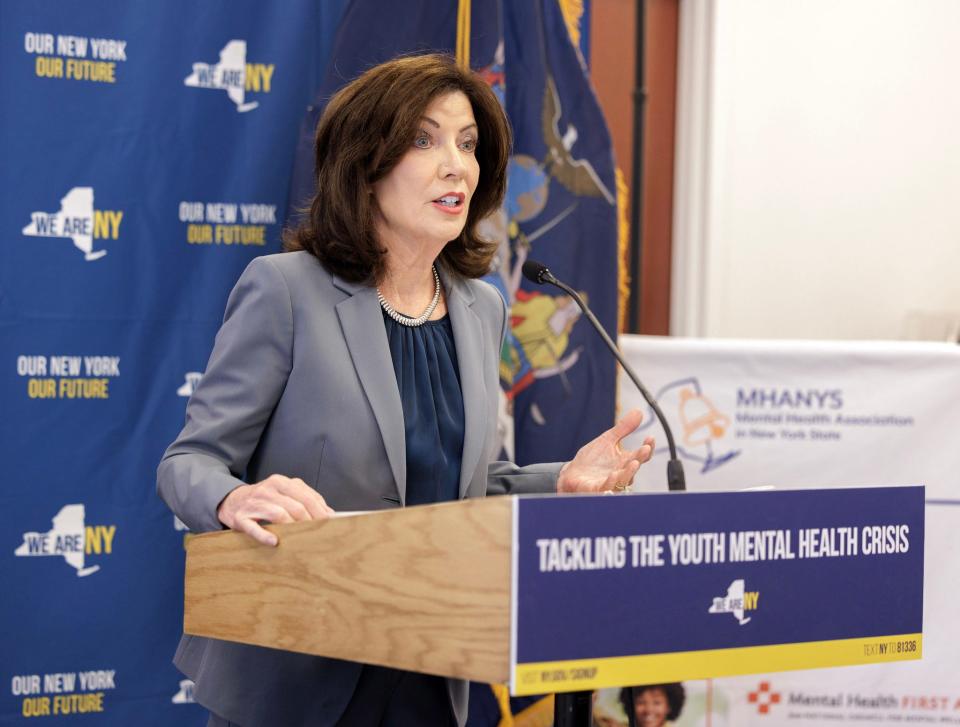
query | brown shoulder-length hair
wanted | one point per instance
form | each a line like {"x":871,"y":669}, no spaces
{"x":365,"y":130}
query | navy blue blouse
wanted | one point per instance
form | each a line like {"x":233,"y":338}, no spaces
{"x":425,"y":362}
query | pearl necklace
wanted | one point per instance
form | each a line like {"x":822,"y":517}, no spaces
{"x":423,"y":317}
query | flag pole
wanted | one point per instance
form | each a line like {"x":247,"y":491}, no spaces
{"x":463,"y":34}
{"x":636,"y":176}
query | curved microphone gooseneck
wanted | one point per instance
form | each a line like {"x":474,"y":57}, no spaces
{"x":539,"y":273}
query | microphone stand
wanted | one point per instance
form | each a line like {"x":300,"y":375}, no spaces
{"x":675,"y":477}
{"x":575,"y":709}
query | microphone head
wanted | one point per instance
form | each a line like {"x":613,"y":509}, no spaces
{"x":536,"y":272}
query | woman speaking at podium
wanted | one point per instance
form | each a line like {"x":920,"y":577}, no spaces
{"x":360,"y":372}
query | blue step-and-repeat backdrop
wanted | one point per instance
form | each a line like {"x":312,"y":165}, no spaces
{"x":147,"y":154}
{"x":146,"y":151}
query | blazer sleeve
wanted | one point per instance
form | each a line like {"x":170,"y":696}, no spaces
{"x":506,"y":478}
{"x":245,"y":376}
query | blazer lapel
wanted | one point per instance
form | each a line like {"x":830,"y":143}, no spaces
{"x":366,"y":338}
{"x":470,"y":341}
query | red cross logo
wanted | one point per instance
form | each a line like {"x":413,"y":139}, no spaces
{"x":763,"y":698}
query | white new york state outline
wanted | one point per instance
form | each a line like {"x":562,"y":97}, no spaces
{"x":77,"y":203}
{"x":735,"y":589}
{"x":233,"y":57}
{"x":69,"y":520}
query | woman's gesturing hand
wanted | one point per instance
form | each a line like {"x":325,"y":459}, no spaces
{"x":603,"y":464}
{"x":277,"y":499}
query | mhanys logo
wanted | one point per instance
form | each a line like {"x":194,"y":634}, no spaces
{"x":71,"y":539}
{"x":703,"y":429}
{"x":234,"y":75}
{"x":737,"y":602}
{"x":77,"y":221}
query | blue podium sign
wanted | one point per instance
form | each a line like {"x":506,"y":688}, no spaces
{"x":654,"y":588}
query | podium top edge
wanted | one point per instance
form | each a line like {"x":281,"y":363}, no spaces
{"x":761,"y":489}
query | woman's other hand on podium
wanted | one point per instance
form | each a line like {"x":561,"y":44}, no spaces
{"x":603,"y":465}
{"x":277,"y":499}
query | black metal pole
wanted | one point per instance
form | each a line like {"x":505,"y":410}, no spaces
{"x":573,"y":709}
{"x":636,"y":180}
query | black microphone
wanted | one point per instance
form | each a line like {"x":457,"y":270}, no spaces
{"x":539,"y":273}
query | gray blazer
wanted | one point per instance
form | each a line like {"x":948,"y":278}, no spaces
{"x":300,"y":382}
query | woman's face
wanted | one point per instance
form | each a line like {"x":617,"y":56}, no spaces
{"x":425,"y":198}
{"x":651,"y":708}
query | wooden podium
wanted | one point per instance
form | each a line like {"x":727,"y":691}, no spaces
{"x":567,"y":594}
{"x":425,"y":588}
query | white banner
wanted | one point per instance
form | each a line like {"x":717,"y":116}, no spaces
{"x":816,"y":414}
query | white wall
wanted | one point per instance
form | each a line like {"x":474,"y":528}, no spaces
{"x":818,"y":167}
